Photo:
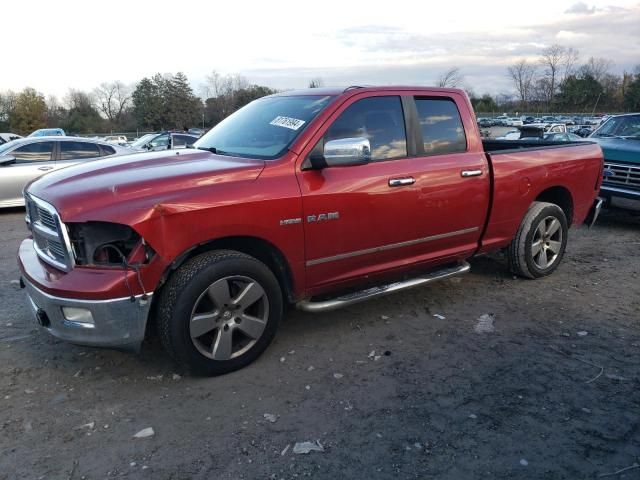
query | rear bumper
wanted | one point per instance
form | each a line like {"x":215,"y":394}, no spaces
{"x":118,"y":323}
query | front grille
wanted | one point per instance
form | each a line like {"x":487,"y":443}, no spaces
{"x":48,"y":234}
{"x":617,"y":174}
{"x":47,"y":219}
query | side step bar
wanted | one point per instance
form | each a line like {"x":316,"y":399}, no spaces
{"x":357,"y":297}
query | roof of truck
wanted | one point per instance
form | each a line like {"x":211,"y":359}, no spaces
{"x":334,"y":91}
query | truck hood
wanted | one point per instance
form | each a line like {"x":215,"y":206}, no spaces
{"x":129,"y":188}
{"x":619,"y":149}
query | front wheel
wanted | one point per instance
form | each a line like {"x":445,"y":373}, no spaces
{"x":219,"y":312}
{"x":539,"y":244}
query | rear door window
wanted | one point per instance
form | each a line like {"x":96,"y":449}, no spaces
{"x":33,"y":152}
{"x":441,"y":126}
{"x":78,"y":150}
{"x":380,"y":119}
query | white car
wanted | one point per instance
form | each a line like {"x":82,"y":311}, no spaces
{"x":514,"y":122}
{"x":116,"y":139}
{"x":7,"y":137}
{"x":25,"y":159}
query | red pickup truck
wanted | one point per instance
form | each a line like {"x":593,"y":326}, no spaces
{"x":318,"y":198}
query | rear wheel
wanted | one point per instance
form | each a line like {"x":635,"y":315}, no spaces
{"x":539,"y":244}
{"x":219,"y":312}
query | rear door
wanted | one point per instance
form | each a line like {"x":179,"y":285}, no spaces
{"x":32,"y":160}
{"x":75,"y":151}
{"x":452,"y":187}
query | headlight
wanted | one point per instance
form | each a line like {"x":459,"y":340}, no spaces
{"x":105,"y":243}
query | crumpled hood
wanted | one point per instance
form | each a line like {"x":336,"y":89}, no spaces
{"x":125,"y":189}
{"x":619,"y":149}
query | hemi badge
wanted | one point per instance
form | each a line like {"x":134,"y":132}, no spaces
{"x":290,"y":221}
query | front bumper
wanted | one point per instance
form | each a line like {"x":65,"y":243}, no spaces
{"x":621,"y":197}
{"x":118,"y":322}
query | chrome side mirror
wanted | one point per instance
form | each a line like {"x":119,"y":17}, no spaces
{"x":343,"y":152}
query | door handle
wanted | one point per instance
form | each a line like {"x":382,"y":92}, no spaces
{"x":400,"y":182}
{"x":470,"y":173}
{"x":44,"y":169}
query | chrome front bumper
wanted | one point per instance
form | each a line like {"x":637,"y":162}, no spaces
{"x":116,"y":323}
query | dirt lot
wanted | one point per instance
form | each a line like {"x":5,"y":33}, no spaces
{"x":388,"y":388}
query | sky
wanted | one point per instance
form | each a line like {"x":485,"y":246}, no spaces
{"x":284,"y":44}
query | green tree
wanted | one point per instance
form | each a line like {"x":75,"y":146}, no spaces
{"x":147,"y":103}
{"x":632,"y":95}
{"x":82,"y":117}
{"x":182,"y":107}
{"x":29,"y":112}
{"x":580,"y":93}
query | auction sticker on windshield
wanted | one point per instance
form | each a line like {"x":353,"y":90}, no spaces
{"x":287,"y":122}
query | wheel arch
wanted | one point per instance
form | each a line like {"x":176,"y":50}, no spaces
{"x":256,"y":247}
{"x":560,"y":196}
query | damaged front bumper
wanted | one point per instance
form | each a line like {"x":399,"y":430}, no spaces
{"x":118,"y":322}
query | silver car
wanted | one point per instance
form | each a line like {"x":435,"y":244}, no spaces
{"x":27,"y":158}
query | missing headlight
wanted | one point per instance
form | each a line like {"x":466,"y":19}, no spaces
{"x":104,"y":243}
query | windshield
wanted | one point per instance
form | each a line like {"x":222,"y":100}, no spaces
{"x":265,"y":128}
{"x":627,"y":126}
{"x":142,"y":141}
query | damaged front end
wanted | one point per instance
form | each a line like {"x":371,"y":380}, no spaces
{"x":107,"y":244}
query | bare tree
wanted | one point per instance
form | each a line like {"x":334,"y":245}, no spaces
{"x":558,"y":63}
{"x":112,"y":99}
{"x":598,"y":68}
{"x":522,"y":74}
{"x":217,"y":85}
{"x":452,"y":78}
{"x":316,"y":82}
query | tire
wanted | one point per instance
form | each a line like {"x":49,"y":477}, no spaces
{"x":219,"y":311}
{"x":538,"y":246}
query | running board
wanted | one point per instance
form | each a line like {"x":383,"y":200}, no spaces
{"x":374,"y":292}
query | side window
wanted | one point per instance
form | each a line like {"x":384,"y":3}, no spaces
{"x":160,"y":141}
{"x":33,"y":152}
{"x":380,"y":119}
{"x":186,"y":139}
{"x":178,"y":141}
{"x":107,"y":150}
{"x":441,"y":125}
{"x":78,"y":150}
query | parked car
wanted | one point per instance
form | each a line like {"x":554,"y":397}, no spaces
{"x":582,"y":130}
{"x":514,"y":122}
{"x":528,"y":120}
{"x":7,"y":137}
{"x":48,"y":132}
{"x":303,"y":198}
{"x":563,"y":137}
{"x":163,"y":141}
{"x":198,"y":132}
{"x":26,"y":159}
{"x":117,"y":139}
{"x":619,"y":137}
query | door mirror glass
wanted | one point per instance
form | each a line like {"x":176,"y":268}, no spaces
{"x":345,"y":152}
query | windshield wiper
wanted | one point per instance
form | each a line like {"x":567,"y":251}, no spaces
{"x":213,"y":150}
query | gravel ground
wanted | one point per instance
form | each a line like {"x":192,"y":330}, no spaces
{"x":416,"y":385}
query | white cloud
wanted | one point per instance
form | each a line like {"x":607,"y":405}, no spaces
{"x":282,"y":43}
